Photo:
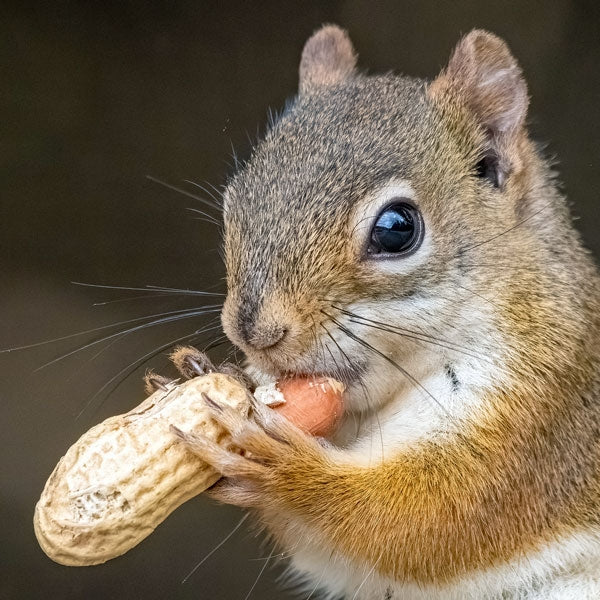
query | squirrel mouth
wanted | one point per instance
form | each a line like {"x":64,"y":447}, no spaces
{"x":346,"y":375}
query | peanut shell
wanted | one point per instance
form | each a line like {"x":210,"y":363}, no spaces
{"x":123,"y":477}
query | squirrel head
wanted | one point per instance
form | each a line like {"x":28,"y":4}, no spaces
{"x":372,"y":220}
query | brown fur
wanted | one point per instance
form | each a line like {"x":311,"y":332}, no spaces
{"x":522,"y":476}
{"x":525,"y":469}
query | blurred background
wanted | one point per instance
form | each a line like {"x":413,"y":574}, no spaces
{"x":98,"y":96}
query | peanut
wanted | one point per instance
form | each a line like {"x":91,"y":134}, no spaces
{"x":126,"y":475}
{"x":123,"y":477}
{"x":314,"y":404}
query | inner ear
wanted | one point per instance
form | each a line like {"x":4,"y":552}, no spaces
{"x":328,"y":58}
{"x":484,"y":76}
{"x":488,"y":167}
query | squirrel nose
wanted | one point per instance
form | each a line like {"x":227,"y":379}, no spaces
{"x":266,"y":336}
{"x":253,"y":324}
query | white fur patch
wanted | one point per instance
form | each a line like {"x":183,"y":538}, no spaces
{"x":569,"y":569}
{"x":411,"y":395}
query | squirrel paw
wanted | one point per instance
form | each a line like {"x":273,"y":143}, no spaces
{"x":238,"y":374}
{"x":262,"y":458}
{"x":191,"y":362}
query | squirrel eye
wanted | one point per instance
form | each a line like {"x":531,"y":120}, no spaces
{"x":397,"y":230}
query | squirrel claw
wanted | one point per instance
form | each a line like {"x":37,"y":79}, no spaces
{"x":227,"y":462}
{"x":245,"y":433}
{"x":154,"y":382}
{"x":190,"y":362}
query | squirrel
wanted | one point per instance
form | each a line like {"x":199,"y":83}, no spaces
{"x":409,"y":239}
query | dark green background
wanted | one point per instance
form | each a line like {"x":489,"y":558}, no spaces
{"x":95,"y":96}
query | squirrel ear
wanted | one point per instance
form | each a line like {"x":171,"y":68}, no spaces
{"x":486,"y":77}
{"x":328,"y":58}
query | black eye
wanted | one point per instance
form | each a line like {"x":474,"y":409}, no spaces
{"x":398,"y":230}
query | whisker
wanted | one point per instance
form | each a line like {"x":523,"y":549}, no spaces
{"x":367,"y":218}
{"x":217,"y":199}
{"x":156,"y":288}
{"x":262,"y":570}
{"x":176,"y":317}
{"x":126,"y":371}
{"x":337,"y":372}
{"x":340,"y":372}
{"x":470,"y":291}
{"x":219,"y":545}
{"x":511,"y":266}
{"x":366,"y":394}
{"x":208,"y":218}
{"x":93,"y":330}
{"x":218,"y":341}
{"x":495,"y":237}
{"x":366,"y":578}
{"x":398,"y":331}
{"x":184,"y":192}
{"x":161,"y":288}
{"x":129,"y":298}
{"x":406,"y":374}
{"x":346,"y":357}
{"x":410,"y":334}
{"x":216,"y":190}
{"x":102,"y":350}
{"x":118,"y":338}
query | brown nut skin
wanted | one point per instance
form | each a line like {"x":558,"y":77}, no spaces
{"x":123,"y":477}
{"x":314,"y":404}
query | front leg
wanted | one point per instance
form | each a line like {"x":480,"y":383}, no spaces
{"x":441,"y":509}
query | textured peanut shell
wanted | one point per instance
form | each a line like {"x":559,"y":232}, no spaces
{"x":123,"y":477}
